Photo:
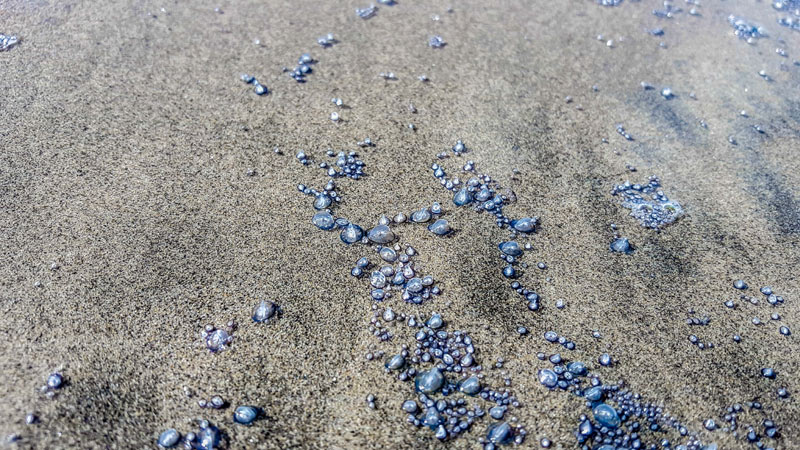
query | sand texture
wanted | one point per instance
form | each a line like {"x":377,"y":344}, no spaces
{"x":126,"y":137}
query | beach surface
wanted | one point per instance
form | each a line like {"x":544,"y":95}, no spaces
{"x":142,"y":198}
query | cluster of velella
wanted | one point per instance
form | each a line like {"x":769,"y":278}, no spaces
{"x":481,"y":192}
{"x":745,"y":29}
{"x":346,"y":164}
{"x":449,"y":355}
{"x":55,"y":381}
{"x":608,"y":2}
{"x":436,"y":42}
{"x":7,"y":42}
{"x":207,"y":438}
{"x":302,"y":69}
{"x":793,"y":7}
{"x":729,"y":419}
{"x":554,"y":338}
{"x":326,"y":41}
{"x":621,"y":131}
{"x":218,"y":339}
{"x":703,"y":321}
{"x":458,"y":149}
{"x":769,"y":428}
{"x":454,"y":373}
{"x":396,"y":273}
{"x":448,"y":380}
{"x":729,"y":423}
{"x":648,"y":204}
{"x":367,"y":12}
{"x":772,"y":299}
{"x":258,"y":88}
{"x":619,"y":417}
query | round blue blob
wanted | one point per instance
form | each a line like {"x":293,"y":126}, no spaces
{"x":606,"y":415}
{"x":577,"y":368}
{"x":462,"y":197}
{"x":524,"y":225}
{"x":396,"y":362}
{"x":511,"y":248}
{"x":245,"y":415}
{"x":169,"y":438}
{"x":322,"y":201}
{"x":594,"y":394}
{"x":470,"y":386}
{"x":264,"y":311}
{"x":381,"y":234}
{"x":430,"y":381}
{"x":548,"y":378}
{"x":441,"y":227}
{"x":208,"y":438}
{"x":500,"y":433}
{"x":323,"y":220}
{"x":621,"y":245}
{"x":351,"y":233}
{"x":55,"y":380}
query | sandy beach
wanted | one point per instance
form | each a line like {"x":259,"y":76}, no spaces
{"x":142,"y":198}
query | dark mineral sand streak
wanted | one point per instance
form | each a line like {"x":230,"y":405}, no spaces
{"x":125,"y":141}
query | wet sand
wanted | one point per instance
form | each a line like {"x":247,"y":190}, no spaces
{"x":127,"y":136}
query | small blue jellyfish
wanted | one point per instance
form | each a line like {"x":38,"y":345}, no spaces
{"x":264,"y":311}
{"x":351,"y":233}
{"x":414,"y":285}
{"x":421,"y":216}
{"x":462,"y":197}
{"x":396,"y":362}
{"x":323,"y":220}
{"x":381,"y":234}
{"x":169,"y":438}
{"x":55,"y":380}
{"x":525,"y":225}
{"x":497,"y":412}
{"x":217,"y":340}
{"x":377,"y":280}
{"x":322,"y":201}
{"x":594,"y":394}
{"x":621,"y":245}
{"x":548,"y":378}
{"x":429,"y":381}
{"x":470,"y":386}
{"x":388,"y":254}
{"x":500,"y":433}
{"x":606,"y":415}
{"x":440,"y":227}
{"x":245,"y":415}
{"x":435,"y":322}
{"x":577,"y":368}
{"x":586,"y":428}
{"x":510,"y":248}
{"x":410,"y":406}
{"x":208,"y":438}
